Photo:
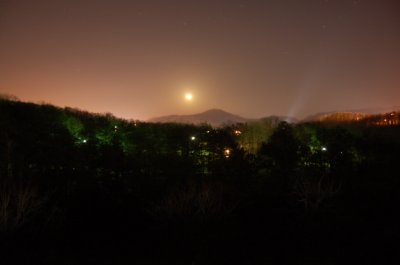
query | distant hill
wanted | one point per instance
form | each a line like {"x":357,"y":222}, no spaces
{"x":336,"y":117}
{"x":214,"y":117}
{"x":348,"y":116}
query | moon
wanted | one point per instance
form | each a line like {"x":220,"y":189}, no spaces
{"x":188,"y":97}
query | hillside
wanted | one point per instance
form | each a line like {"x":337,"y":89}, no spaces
{"x":351,"y":115}
{"x":214,"y":117}
{"x":336,"y":117}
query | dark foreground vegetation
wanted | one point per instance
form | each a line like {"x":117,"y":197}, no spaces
{"x":80,"y":188}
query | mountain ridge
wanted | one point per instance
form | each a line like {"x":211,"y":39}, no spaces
{"x":349,"y":115}
{"x":217,"y":117}
{"x":214,"y":117}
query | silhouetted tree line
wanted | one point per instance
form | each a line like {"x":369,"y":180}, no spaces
{"x":83,"y":188}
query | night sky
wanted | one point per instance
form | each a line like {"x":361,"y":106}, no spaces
{"x":137,"y":59}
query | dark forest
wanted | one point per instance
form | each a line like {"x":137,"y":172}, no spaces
{"x":84,"y":188}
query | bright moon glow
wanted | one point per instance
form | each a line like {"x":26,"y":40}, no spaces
{"x":188,"y":96}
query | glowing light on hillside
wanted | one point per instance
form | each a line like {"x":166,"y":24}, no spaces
{"x":227,"y":152}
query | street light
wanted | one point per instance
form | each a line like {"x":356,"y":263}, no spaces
{"x":227,"y":152}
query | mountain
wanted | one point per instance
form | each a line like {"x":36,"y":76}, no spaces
{"x":349,"y":116}
{"x":214,"y":117}
{"x":336,"y":117}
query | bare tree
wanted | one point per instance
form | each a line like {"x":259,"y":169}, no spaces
{"x":8,"y":97}
{"x":202,"y":202}
{"x":18,"y":203}
{"x":314,"y":191}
